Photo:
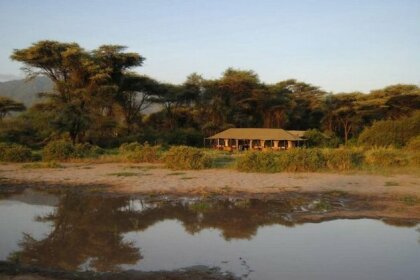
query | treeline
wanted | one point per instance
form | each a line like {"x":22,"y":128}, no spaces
{"x":99,"y":99}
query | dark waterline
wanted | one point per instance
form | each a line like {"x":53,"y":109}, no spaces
{"x":251,"y":238}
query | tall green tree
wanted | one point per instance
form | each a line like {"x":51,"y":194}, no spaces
{"x":86,"y":84}
{"x":344,"y":112}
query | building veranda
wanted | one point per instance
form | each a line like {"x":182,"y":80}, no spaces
{"x":256,"y":139}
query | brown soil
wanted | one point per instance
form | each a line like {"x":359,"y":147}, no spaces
{"x":145,"y":178}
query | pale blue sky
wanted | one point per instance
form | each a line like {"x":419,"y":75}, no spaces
{"x":340,"y":45}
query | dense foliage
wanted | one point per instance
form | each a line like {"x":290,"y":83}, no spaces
{"x":64,"y":150}
{"x":327,"y":159}
{"x":96,"y":98}
{"x":183,"y":157}
{"x":135,"y":152}
{"x":343,"y":159}
{"x":387,"y":157}
{"x":391,"y":132}
{"x":14,"y":153}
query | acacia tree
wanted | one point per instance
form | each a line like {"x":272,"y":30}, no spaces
{"x":344,"y":112}
{"x":86,"y":84}
{"x":137,"y":93}
{"x":227,"y":101}
{"x":305,"y":104}
{"x":8,"y":105}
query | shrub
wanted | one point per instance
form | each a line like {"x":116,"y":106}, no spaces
{"x":385,"y":157}
{"x":58,"y":150}
{"x":391,"y":132}
{"x":136,"y":152}
{"x":414,"y":144}
{"x":299,"y":160}
{"x":293,"y":160}
{"x":129,"y":147}
{"x":64,"y":150}
{"x":343,"y":159}
{"x":87,"y":150}
{"x":183,"y":157}
{"x":14,"y":153}
{"x":258,"y":162}
{"x":316,"y":138}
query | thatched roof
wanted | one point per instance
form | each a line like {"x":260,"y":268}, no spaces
{"x":257,"y":134}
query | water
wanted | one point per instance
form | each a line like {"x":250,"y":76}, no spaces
{"x":253,"y":239}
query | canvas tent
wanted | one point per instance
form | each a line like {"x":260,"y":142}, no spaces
{"x":256,"y":138}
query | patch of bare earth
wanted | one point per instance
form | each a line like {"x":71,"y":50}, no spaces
{"x":144,"y":178}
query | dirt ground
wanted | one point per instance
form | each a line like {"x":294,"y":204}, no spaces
{"x":146,"y":178}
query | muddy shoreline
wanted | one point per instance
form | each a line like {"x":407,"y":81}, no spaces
{"x":148,"y":178}
{"x":396,"y":208}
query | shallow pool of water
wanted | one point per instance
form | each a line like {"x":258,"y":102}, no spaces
{"x":253,"y":239}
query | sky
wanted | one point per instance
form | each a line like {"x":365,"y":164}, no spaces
{"x":339,"y":45}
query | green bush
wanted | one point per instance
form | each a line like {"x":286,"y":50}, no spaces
{"x":316,"y":138}
{"x":129,"y":147}
{"x":293,"y":160}
{"x":254,"y":161}
{"x":58,"y":150}
{"x":343,"y":159}
{"x":385,"y":157}
{"x":183,"y":157}
{"x":310,"y":160}
{"x":87,"y":150}
{"x":14,"y":153}
{"x":64,"y":150}
{"x":135,"y":152}
{"x":300,"y":160}
{"x":391,"y":132}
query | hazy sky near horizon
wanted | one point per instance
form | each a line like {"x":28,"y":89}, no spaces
{"x":339,"y":45}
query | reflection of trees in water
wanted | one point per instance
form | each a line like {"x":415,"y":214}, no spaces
{"x":88,"y":229}
{"x":239,"y":219}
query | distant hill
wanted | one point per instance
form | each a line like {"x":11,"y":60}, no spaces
{"x":25,"y":91}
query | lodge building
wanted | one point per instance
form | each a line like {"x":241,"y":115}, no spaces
{"x":256,"y":139}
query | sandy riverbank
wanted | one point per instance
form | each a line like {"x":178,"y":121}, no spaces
{"x":143,"y":178}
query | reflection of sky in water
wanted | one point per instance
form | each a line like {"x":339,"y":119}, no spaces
{"x":18,"y":217}
{"x":339,"y":249}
